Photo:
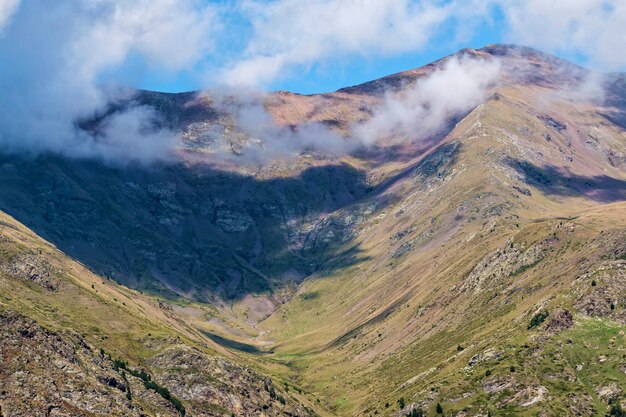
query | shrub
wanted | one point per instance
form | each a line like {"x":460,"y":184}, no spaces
{"x":439,"y":409}
{"x":537,"y":319}
{"x":149,"y":384}
{"x":617,"y":411}
{"x":401,"y":403}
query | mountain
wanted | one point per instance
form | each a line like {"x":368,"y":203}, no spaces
{"x":480,"y":270}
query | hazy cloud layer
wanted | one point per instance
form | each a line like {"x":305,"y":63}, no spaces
{"x":263,"y":140}
{"x":424,"y":110}
{"x":59,"y":52}
{"x":591,"y":28}
{"x":416,"y":114}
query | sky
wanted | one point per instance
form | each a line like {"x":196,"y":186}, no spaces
{"x":304,"y":46}
{"x":64,"y":62}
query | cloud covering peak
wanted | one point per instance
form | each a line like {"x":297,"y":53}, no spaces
{"x":59,"y":60}
{"x":455,"y":88}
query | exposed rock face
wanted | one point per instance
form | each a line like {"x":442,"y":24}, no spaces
{"x":486,"y":356}
{"x":510,"y":260}
{"x":561,"y":320}
{"x":609,"y":290}
{"x":208,"y":384}
{"x":45,"y":373}
{"x":31,"y":267}
{"x":51,"y":374}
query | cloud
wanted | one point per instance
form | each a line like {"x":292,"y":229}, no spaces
{"x":287,"y":34}
{"x":64,"y":53}
{"x":60,"y":53}
{"x":591,"y":28}
{"x":254,"y":137}
{"x":7,"y":10}
{"x":291,"y":35}
{"x":416,"y":114}
{"x":424,"y":110}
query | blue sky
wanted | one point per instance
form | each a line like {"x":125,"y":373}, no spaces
{"x":306,"y":46}
{"x":322,"y":75}
{"x":248,"y":38}
{"x":328,"y":76}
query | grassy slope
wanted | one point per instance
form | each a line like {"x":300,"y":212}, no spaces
{"x":126,"y":324}
{"x":358,"y":335}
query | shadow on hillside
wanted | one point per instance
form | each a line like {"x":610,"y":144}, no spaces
{"x":233,"y":344}
{"x":193,"y":231}
{"x":615,"y":101}
{"x":197,"y":231}
{"x":551,"y":180}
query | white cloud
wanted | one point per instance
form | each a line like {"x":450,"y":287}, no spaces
{"x":434,"y":101}
{"x":594,"y":29}
{"x":7,"y":10}
{"x":60,"y":50}
{"x":265,"y":140}
{"x":292,"y":33}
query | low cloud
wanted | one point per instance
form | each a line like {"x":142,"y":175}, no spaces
{"x":416,"y":114}
{"x":254,"y":136}
{"x":60,"y":54}
{"x":424,"y":110}
{"x":589,"y":29}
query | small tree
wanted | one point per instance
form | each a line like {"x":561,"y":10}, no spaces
{"x":439,"y":409}
{"x":617,"y":411}
{"x":401,"y":403}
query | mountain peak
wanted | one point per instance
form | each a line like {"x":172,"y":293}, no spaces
{"x":520,"y":64}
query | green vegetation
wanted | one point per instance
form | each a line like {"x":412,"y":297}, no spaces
{"x":537,"y":319}
{"x":149,"y":384}
{"x":524,"y":268}
{"x":617,"y":411}
{"x":401,"y":403}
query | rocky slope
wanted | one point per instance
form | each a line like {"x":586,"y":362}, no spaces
{"x":74,"y":344}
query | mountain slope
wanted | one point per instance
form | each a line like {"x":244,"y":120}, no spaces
{"x":481,"y":268}
{"x":519,"y":209}
{"x":73,"y":343}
